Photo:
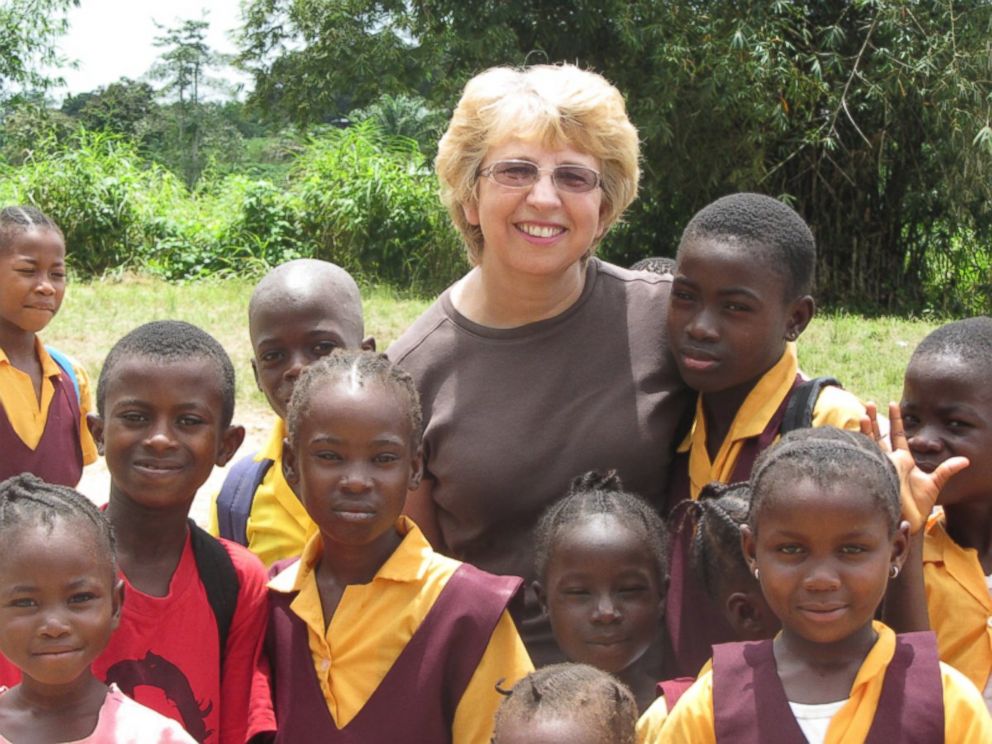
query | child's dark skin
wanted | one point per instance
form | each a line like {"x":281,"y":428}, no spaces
{"x":351,"y":465}
{"x":162,"y":435}
{"x":728,"y":322}
{"x":298,"y":313}
{"x":32,"y":284}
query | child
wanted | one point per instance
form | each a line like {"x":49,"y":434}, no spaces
{"x":946,"y":412}
{"x":718,"y":565}
{"x":824,"y":538}
{"x":372,"y":636}
{"x":61,"y":602}
{"x":600,"y":563}
{"x":299,"y":312}
{"x":44,"y":397}
{"x":567,"y":704}
{"x":740,"y":299}
{"x":193,"y":622}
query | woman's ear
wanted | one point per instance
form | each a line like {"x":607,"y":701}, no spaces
{"x":471,"y":212}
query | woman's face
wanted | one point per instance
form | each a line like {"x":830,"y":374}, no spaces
{"x":539,"y":231}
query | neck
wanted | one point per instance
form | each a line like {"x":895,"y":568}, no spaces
{"x":494,"y":297}
{"x":17,"y":344}
{"x":83,"y":692}
{"x":825,"y":657}
{"x":356,"y":564}
{"x":145,"y":534}
{"x":970,"y":525}
{"x":641,"y":681}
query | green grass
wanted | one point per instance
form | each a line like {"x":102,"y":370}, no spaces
{"x":869,"y":355}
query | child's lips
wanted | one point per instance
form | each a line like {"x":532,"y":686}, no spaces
{"x":825,"y":612}
{"x":355,"y":514}
{"x":158,"y":467}
{"x":698,"y":361}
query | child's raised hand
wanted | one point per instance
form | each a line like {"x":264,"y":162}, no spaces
{"x":918,"y":490}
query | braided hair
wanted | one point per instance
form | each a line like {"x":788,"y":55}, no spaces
{"x":595,"y":493}
{"x":826,"y":455}
{"x":28,"y":501}
{"x":569,"y":691}
{"x":715,"y":551}
{"x":17,"y":220}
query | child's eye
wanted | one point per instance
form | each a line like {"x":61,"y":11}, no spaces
{"x":58,"y":275}
{"x":385,"y":458}
{"x":270,"y":357}
{"x":190,"y":421}
{"x":958,"y":424}
{"x":133,"y":417}
{"x":790,"y":549}
{"x":853,"y":549}
{"x":22,"y":602}
{"x":81,"y":597}
{"x":329,"y":455}
{"x":736,"y":307}
{"x":909,"y":421}
{"x":682,"y":295}
{"x":324,"y":348}
{"x":633,"y":589}
{"x":575,"y":591}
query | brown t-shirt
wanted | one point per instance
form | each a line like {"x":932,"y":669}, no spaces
{"x":512,"y":415}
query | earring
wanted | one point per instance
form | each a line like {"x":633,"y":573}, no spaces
{"x":893,"y":571}
{"x":791,"y":336}
{"x":757,"y":575}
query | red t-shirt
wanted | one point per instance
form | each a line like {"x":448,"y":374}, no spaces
{"x":165,"y":652}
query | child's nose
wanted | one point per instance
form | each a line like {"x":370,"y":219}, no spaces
{"x":54,"y":625}
{"x":702,"y":327}
{"x":356,"y":480}
{"x":924,"y":439}
{"x":606,"y":610}
{"x":822,"y":577}
{"x":45,"y":287}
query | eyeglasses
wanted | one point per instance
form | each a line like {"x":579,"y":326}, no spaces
{"x":522,"y":174}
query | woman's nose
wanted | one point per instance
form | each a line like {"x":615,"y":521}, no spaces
{"x":544,"y":193}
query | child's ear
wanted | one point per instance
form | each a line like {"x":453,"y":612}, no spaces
{"x":118,"y":603}
{"x":900,"y":546}
{"x":289,"y":469}
{"x":368,"y":344}
{"x":416,"y":470}
{"x":231,"y":439}
{"x":95,"y":425}
{"x":801,"y":312}
{"x":749,"y":549}
{"x":542,"y":597}
{"x":747,"y":617}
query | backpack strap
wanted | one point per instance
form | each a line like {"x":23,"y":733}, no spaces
{"x":237,"y":494}
{"x":63,"y":361}
{"x":802,"y":401}
{"x":219,"y":578}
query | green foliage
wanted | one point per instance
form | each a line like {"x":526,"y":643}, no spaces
{"x":120,"y":107}
{"x":28,"y":32}
{"x":405,"y":116}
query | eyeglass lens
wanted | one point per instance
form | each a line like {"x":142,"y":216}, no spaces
{"x":521,"y":174}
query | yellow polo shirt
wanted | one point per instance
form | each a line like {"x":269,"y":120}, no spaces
{"x":28,"y":415}
{"x":965,"y":717}
{"x":278,"y":525}
{"x":373,"y":623}
{"x":834,"y":407}
{"x":650,"y":723}
{"x":958,"y":603}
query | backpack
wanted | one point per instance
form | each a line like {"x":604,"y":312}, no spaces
{"x":237,"y":495}
{"x":802,"y":401}
{"x":220,"y":580}
{"x":63,"y":361}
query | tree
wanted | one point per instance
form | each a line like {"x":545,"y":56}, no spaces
{"x":119,"y":107}
{"x":28,"y":31}
{"x":183,"y":68}
{"x":871,"y":117}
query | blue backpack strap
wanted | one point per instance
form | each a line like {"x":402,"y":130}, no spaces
{"x":63,"y":361}
{"x":237,"y":495}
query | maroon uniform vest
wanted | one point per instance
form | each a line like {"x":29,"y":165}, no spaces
{"x":58,"y":458}
{"x":694,"y":621}
{"x":417,"y":699}
{"x":673,"y":689}
{"x":750,"y":707}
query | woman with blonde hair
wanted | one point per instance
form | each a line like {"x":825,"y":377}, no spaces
{"x":542,"y":362}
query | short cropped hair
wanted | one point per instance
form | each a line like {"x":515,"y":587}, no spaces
{"x":969,"y":339}
{"x":171,"y":341}
{"x":556,"y":105}
{"x":570,"y":691}
{"x":18,"y":220}
{"x":771,"y":230}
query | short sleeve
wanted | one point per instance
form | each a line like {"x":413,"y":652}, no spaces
{"x":86,"y":443}
{"x":691,"y":720}
{"x":965,"y":716}
{"x":837,"y":407}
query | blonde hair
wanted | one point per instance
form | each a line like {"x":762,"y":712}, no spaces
{"x":556,"y":105}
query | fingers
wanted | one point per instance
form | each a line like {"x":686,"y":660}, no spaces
{"x":946,"y":469}
{"x":897,"y":432}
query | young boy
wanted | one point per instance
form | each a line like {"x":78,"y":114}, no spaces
{"x":947,"y":412}
{"x":44,"y":397}
{"x":299,"y":312}
{"x":740,"y":299}
{"x":194,"y":610}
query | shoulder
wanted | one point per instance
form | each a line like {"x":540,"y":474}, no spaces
{"x":132,"y":718}
{"x":837,"y":407}
{"x":421,"y":333}
{"x":691,"y":720}
{"x":965,"y":715}
{"x":251,"y":572}
{"x":636,"y":284}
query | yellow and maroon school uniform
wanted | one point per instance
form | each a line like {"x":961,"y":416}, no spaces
{"x":414,"y":655}
{"x":959,"y":604}
{"x":694,"y":622}
{"x":48,"y":437}
{"x":901,"y":693}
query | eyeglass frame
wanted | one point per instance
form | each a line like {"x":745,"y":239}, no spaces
{"x":488,"y":173}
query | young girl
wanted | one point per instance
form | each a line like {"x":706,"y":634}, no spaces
{"x":824,"y":538}
{"x":60,"y":601}
{"x":600,"y":562}
{"x":44,"y":397}
{"x":718,"y":565}
{"x":373,"y":637}
{"x":567,"y":704}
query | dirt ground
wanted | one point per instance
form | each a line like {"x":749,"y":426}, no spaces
{"x":96,"y":480}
